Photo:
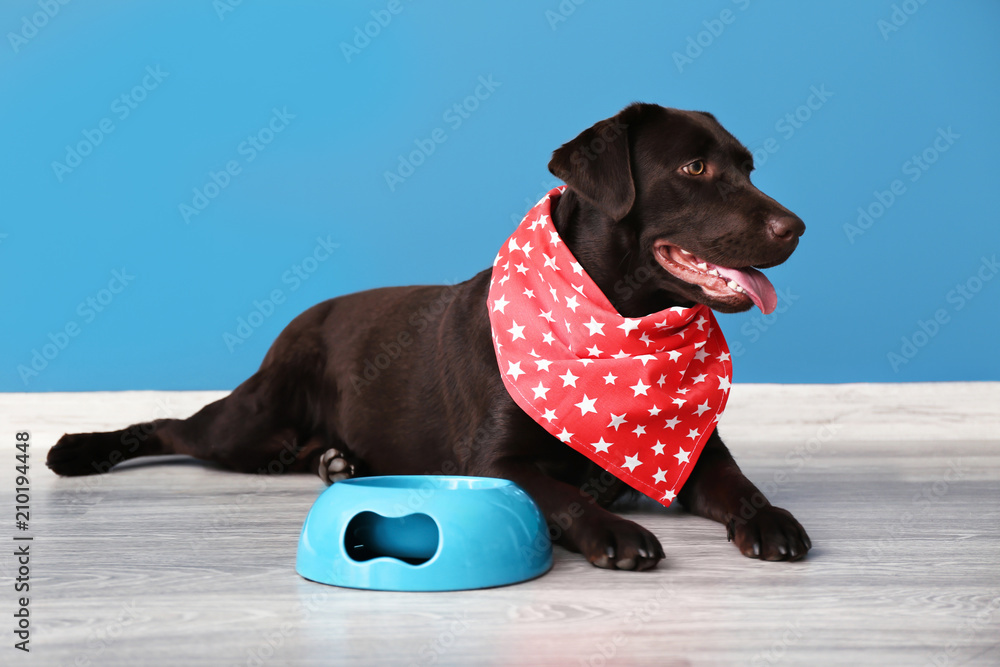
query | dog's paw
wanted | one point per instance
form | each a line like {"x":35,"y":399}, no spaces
{"x":770,"y":534}
{"x":84,"y":454}
{"x":333,"y":467}
{"x":621,"y":545}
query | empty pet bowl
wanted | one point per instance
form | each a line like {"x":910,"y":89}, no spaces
{"x":423,"y":533}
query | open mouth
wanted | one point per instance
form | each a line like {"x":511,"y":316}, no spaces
{"x":730,"y":284}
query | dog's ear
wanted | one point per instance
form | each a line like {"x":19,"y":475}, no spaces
{"x":597,"y":164}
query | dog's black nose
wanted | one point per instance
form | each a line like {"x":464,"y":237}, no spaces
{"x":786,"y":228}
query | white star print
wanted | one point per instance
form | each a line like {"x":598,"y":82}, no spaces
{"x":665,"y":343}
{"x":601,"y":446}
{"x":569,"y":380}
{"x":640,"y":388}
{"x":596,"y":328}
{"x":628,"y":325}
{"x":586,"y":405}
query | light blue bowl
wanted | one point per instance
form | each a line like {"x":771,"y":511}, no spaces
{"x":423,"y":533}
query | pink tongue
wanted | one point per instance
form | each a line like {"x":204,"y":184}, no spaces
{"x":755,"y":283}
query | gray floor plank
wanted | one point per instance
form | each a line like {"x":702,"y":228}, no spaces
{"x":178,"y":563}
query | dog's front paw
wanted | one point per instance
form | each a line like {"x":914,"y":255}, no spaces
{"x":334,"y":467}
{"x":770,"y":534}
{"x":620,"y":544}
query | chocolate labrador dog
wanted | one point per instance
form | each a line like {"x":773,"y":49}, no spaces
{"x":405,"y":380}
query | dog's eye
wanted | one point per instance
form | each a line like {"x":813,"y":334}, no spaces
{"x":696,"y":168}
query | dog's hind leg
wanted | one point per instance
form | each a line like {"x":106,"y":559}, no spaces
{"x":251,"y":430}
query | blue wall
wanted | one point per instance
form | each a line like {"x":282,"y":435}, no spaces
{"x":99,"y":244}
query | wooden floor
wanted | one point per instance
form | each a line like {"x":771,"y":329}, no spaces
{"x":179,"y":564}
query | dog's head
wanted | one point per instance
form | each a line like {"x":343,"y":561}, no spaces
{"x":680,"y":184}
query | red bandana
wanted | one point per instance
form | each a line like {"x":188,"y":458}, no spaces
{"x":638,"y":396}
